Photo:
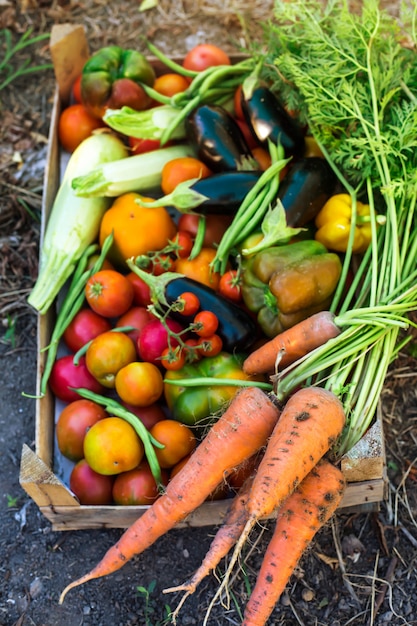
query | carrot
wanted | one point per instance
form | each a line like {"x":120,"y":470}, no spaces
{"x":244,"y":428}
{"x":224,"y":539}
{"x":292,"y":344}
{"x":311,"y":421}
{"x":302,"y":515}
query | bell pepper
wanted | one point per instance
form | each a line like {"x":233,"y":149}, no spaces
{"x":335,"y":221}
{"x":285,"y":284}
{"x":192,"y":405}
{"x":112,"y":77}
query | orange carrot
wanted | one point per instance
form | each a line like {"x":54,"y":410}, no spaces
{"x":243,"y":429}
{"x":303,"y":513}
{"x":311,"y":421}
{"x":292,"y":344}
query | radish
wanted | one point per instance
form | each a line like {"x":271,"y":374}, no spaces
{"x":155,"y":337}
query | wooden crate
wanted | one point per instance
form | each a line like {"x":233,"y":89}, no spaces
{"x":363,"y":467}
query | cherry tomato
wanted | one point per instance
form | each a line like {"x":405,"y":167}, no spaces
{"x":181,"y":169}
{"x":139,"y":383}
{"x":210,"y":346}
{"x":76,"y":124}
{"x":89,"y":486}
{"x":85,"y":326}
{"x":141,"y":291}
{"x":65,"y":375}
{"x":141,"y":146}
{"x":173,"y":358}
{"x":229,"y":286}
{"x":72,"y":424}
{"x":185,"y":243}
{"x":109,"y":293}
{"x":137,"y":487}
{"x":205,"y":324}
{"x":178,"y":439}
{"x":216,"y":226}
{"x":188,"y":303}
{"x":107,"y":354}
{"x":162,"y":263}
{"x":170,"y":84}
{"x":205,"y":55}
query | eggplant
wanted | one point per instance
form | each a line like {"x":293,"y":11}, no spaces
{"x":225,"y":192}
{"x":268,"y":120}
{"x":218,"y":140}
{"x":237,"y":328}
{"x":306,"y":187}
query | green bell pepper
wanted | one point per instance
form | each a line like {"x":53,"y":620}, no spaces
{"x":192,"y":405}
{"x":112,"y":77}
{"x":285,"y":284}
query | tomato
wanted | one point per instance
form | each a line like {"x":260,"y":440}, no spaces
{"x":205,"y":55}
{"x":241,"y":473}
{"x":85,"y":326}
{"x":205,"y":323}
{"x":89,"y":486}
{"x":199,"y":268}
{"x":237,"y":104}
{"x":178,"y":439}
{"x":112,"y":446}
{"x":148,"y":415}
{"x":188,"y":303}
{"x":105,"y":265}
{"x":66,"y":374}
{"x":76,"y":90}
{"x":170,"y":84}
{"x":162,"y":263}
{"x":216,"y":226}
{"x":178,"y":466}
{"x":229,"y":286}
{"x":76,"y":124}
{"x":107,"y":354}
{"x":247,"y":133}
{"x":181,"y":169}
{"x":173,"y":359}
{"x":263,"y":158}
{"x":141,"y":146}
{"x":136,"y":317}
{"x":184,"y":243}
{"x":139,"y":383}
{"x":141,"y":291}
{"x":72,"y":424}
{"x":126,"y":92}
{"x":211,"y":345}
{"x":109,"y":293}
{"x":136,"y":229}
{"x":137,"y":487}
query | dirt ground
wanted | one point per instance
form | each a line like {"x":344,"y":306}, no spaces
{"x":361,"y":569}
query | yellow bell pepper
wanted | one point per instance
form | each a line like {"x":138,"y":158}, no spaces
{"x":334,"y":223}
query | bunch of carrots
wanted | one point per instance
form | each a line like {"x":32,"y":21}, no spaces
{"x":294,"y":479}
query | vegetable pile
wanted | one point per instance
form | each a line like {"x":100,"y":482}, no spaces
{"x":241,"y":281}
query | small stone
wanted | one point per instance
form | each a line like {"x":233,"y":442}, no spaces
{"x":307,"y":595}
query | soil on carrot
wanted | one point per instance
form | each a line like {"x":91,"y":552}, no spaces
{"x":360,"y":569}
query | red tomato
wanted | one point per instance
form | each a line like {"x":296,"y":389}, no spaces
{"x":216,"y":226}
{"x":185,"y":243}
{"x":181,"y":169}
{"x":76,"y":124}
{"x":136,"y":317}
{"x":205,"y":323}
{"x":247,"y":133}
{"x":89,"y":486}
{"x":109,"y":293}
{"x":148,"y":415}
{"x":137,"y":487}
{"x":141,"y":291}
{"x":229,"y":286}
{"x":173,"y":359}
{"x":211,"y":346}
{"x":65,"y":374}
{"x":205,"y":55}
{"x":140,"y":146}
{"x":237,"y":104}
{"x":76,"y":90}
{"x":85,"y":326}
{"x":188,"y":303}
{"x":73,"y":422}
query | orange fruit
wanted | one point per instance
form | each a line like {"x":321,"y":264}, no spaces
{"x":136,"y":229}
{"x":112,"y":446}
